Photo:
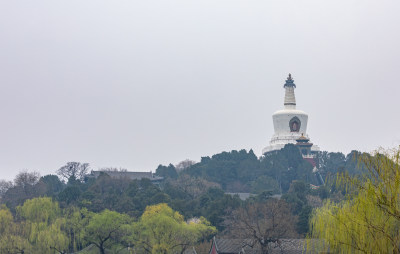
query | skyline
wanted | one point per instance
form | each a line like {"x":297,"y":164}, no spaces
{"x":137,"y":84}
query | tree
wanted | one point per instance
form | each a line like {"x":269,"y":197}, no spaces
{"x":227,"y":168}
{"x":167,"y":172}
{"x":52,"y":238}
{"x":27,"y":185}
{"x":76,"y":221}
{"x":297,"y":195}
{"x":13,"y":236}
{"x":73,"y":171}
{"x":162,"y":230}
{"x":110,"y":193}
{"x":4,"y":186}
{"x":45,"y":222}
{"x":104,"y":228}
{"x":193,"y":186}
{"x":184,"y":165}
{"x":24,"y":178}
{"x":265,"y":183}
{"x":264,"y":223}
{"x":53,"y":184}
{"x":215,"y":204}
{"x":69,"y":195}
{"x":368,"y":221}
{"x":39,"y":210}
{"x":15,"y":241}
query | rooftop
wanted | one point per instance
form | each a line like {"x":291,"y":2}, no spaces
{"x":127,"y":174}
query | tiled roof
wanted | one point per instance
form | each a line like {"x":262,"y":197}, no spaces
{"x":242,"y":195}
{"x":232,"y":245}
{"x":190,"y":251}
{"x":127,"y":174}
{"x":247,"y":246}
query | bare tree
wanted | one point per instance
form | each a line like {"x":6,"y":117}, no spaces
{"x":25,"y":178}
{"x":27,"y":185}
{"x":314,"y":201}
{"x":4,"y":186}
{"x":184,"y":165}
{"x":193,"y":186}
{"x":265,"y":224}
{"x":73,"y":171}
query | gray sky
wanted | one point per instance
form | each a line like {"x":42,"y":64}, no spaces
{"x":135,"y":84}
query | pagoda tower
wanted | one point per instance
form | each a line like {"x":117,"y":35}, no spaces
{"x":290,"y":124}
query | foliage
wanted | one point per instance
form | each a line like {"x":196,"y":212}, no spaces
{"x":39,"y":210}
{"x":121,"y":195}
{"x":162,"y":230}
{"x":330,"y":164}
{"x":192,"y":186}
{"x":167,"y":172}
{"x":44,"y":220}
{"x":302,"y":200}
{"x":105,"y":227}
{"x":53,"y":184}
{"x":212,"y":203}
{"x":194,"y":190}
{"x":12,"y":236}
{"x":6,"y":220}
{"x":27,"y":185}
{"x":52,"y":238}
{"x":226,"y":168}
{"x":75,"y":222}
{"x":4,"y":186}
{"x":287,"y":165}
{"x":70,"y":195}
{"x":297,"y":195}
{"x":241,"y":171}
{"x":368,"y":221}
{"x":37,"y":229}
{"x":265,"y":183}
{"x":14,"y":240}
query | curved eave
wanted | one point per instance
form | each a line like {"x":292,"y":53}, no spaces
{"x":304,"y":144}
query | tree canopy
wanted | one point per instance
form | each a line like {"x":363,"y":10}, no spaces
{"x":104,"y":228}
{"x":162,"y":230}
{"x":368,"y":221}
{"x":49,"y":215}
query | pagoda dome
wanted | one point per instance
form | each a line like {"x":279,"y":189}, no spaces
{"x":285,"y":119}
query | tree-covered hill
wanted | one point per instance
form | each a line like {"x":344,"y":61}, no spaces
{"x":194,"y":190}
{"x":242,"y":171}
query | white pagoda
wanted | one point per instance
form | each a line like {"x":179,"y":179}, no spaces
{"x":290,"y":124}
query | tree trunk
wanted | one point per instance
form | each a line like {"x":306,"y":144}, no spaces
{"x":101,"y":247}
{"x":264,"y":249}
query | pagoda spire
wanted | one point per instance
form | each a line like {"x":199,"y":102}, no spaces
{"x":290,"y":99}
{"x":289,"y":82}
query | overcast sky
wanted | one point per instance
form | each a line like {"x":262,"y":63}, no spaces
{"x":135,"y":84}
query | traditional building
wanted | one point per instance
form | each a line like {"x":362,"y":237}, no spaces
{"x":248,"y":246}
{"x":304,"y":145}
{"x":128,"y":175}
{"x":290,"y":124}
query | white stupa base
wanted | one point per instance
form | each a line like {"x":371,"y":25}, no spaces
{"x":277,"y":147}
{"x":279,"y":141}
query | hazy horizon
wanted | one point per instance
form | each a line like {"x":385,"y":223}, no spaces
{"x":135,"y":84}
